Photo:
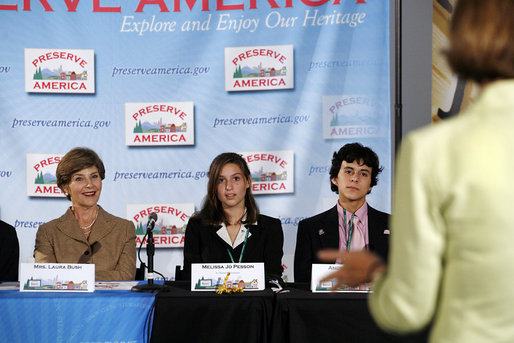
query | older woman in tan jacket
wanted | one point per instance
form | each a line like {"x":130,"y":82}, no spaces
{"x":86,"y":233}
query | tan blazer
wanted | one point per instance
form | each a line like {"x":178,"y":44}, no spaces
{"x":111,"y":246}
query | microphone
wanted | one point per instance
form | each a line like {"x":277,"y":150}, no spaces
{"x":152,"y":218}
{"x":150,"y":251}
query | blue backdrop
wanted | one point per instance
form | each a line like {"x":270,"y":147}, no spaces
{"x":174,"y":51}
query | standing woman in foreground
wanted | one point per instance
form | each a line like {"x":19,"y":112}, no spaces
{"x":451,"y":256}
{"x":229,"y":227}
{"x":86,"y":233}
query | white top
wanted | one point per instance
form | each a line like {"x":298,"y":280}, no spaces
{"x":223,"y":233}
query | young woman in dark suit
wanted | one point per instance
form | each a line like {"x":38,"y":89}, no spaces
{"x":229,"y":227}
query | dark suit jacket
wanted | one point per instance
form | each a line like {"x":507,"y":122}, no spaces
{"x":111,"y":245}
{"x":310,"y":240}
{"x":9,"y":253}
{"x":202,"y":244}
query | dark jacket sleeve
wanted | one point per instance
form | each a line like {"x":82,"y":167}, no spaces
{"x":9,"y":253}
{"x":192,"y":246}
{"x":273,"y":250}
{"x":302,"y":254}
{"x":378,"y":224}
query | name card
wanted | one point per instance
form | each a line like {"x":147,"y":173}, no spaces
{"x":211,"y":276}
{"x":319,"y":271}
{"x":57,"y":277}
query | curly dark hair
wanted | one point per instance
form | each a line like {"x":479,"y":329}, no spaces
{"x":352,"y":152}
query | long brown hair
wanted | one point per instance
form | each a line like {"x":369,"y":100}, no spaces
{"x":481,"y":35}
{"x":212,"y":211}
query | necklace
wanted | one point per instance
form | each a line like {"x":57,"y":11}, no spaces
{"x":89,"y":226}
{"x":239,"y":221}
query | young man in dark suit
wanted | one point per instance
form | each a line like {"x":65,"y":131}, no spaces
{"x":351,"y":224}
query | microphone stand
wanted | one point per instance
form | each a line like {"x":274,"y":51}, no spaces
{"x":150,"y":252}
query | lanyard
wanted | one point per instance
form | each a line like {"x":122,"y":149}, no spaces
{"x":242,"y":250}
{"x":350,"y":233}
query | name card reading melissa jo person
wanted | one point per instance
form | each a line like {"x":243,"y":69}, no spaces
{"x":57,"y":277}
{"x":211,"y":276}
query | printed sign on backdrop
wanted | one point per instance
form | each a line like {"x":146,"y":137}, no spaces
{"x":165,"y":53}
{"x":253,"y":68}
{"x":170,"y":227}
{"x":272,"y":171}
{"x":351,"y":116}
{"x":41,"y":180}
{"x":159,"y":123}
{"x":59,"y":71}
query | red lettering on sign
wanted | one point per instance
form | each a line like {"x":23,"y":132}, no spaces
{"x":260,"y":52}
{"x":47,"y":162}
{"x":149,"y":138}
{"x":260,"y":82}
{"x":50,"y":189}
{"x":266,"y":158}
{"x":268,"y":186}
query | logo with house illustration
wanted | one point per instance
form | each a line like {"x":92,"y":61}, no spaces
{"x":327,"y":286}
{"x":353,"y":116}
{"x":59,"y":70}
{"x":170,"y":227}
{"x":166,"y":123}
{"x":259,"y":68}
{"x":258,"y":71}
{"x":272,"y":172}
{"x":59,"y":74}
{"x":41,"y":177}
{"x":39,"y":284}
{"x":213,"y":284}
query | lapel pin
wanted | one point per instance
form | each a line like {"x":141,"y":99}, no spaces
{"x":321,"y":232}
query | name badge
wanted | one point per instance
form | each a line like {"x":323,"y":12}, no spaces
{"x":57,"y":277}
{"x":211,"y":276}
{"x":319,"y":271}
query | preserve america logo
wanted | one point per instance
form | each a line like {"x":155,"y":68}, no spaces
{"x":170,"y":227}
{"x":159,"y":123}
{"x":351,"y":116}
{"x":41,"y":180}
{"x":259,"y":68}
{"x":272,"y":172}
{"x":59,"y":71}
